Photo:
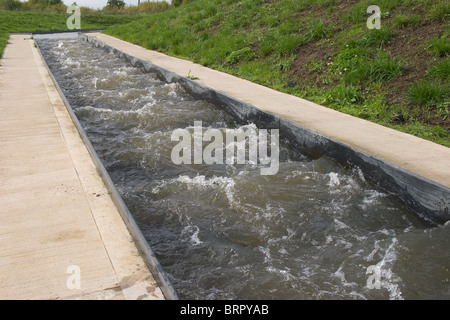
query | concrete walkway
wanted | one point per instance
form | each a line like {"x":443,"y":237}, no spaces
{"x":58,"y":223}
{"x":419,"y":156}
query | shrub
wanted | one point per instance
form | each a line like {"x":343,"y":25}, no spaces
{"x":153,"y":7}
{"x":10,"y":4}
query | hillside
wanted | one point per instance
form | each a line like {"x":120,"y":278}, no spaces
{"x":397,"y":76}
{"x":25,"y":21}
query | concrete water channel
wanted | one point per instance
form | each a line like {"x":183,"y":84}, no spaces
{"x":350,"y":197}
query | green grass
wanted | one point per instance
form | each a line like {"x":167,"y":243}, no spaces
{"x":439,"y":11}
{"x":428,"y":94}
{"x":244,"y":54}
{"x":440,"y":71}
{"x":383,"y":68}
{"x":318,"y":50}
{"x":343,"y":95}
{"x":262,"y":40}
{"x":405,"y":21}
{"x":439,"y":46}
{"x":317,"y":29}
{"x":377,"y":37}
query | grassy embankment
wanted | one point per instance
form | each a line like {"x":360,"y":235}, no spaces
{"x":23,"y":21}
{"x":321,"y":50}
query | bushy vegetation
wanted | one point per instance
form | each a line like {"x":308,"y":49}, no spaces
{"x":34,"y":5}
{"x":147,"y":7}
{"x":111,"y":6}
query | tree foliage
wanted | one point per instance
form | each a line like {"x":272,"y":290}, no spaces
{"x":115,"y":4}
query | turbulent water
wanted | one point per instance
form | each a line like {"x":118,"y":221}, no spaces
{"x":315,"y":230}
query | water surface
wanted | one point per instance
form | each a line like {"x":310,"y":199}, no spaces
{"x":226,"y":232}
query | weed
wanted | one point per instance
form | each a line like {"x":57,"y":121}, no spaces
{"x":348,"y":60}
{"x":443,"y":109}
{"x":315,"y":65}
{"x":244,"y":54}
{"x":343,"y":95}
{"x":377,"y":37}
{"x":190,"y":76}
{"x":267,"y":43}
{"x":289,"y":27}
{"x":357,"y":14}
{"x":288,"y":44}
{"x":284,"y":65}
{"x":439,"y":11}
{"x":441,"y":70}
{"x":270,"y":20}
{"x":383,"y":68}
{"x":316,"y":30}
{"x":439,"y":46}
{"x":405,"y":21}
{"x":428,"y":94}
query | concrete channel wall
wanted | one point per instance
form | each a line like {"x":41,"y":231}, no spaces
{"x":427,"y":198}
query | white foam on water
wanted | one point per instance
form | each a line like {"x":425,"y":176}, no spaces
{"x":227,"y":184}
{"x":271,"y":213}
{"x":266,"y":252}
{"x":69,"y":62}
{"x":389,"y":279}
{"x":376,"y":248}
{"x":94,"y":82}
{"x":372,"y":196}
{"x":120,"y":73}
{"x":93,"y":109}
{"x":338,"y":225}
{"x":360,"y":174}
{"x":328,"y":239}
{"x":192,"y":233}
{"x":286,"y":274}
{"x":334,"y":180}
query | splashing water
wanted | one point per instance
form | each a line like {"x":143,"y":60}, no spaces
{"x":225,"y":231}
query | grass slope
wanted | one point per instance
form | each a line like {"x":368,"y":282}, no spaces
{"x":20,"y":21}
{"x":321,"y":50}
